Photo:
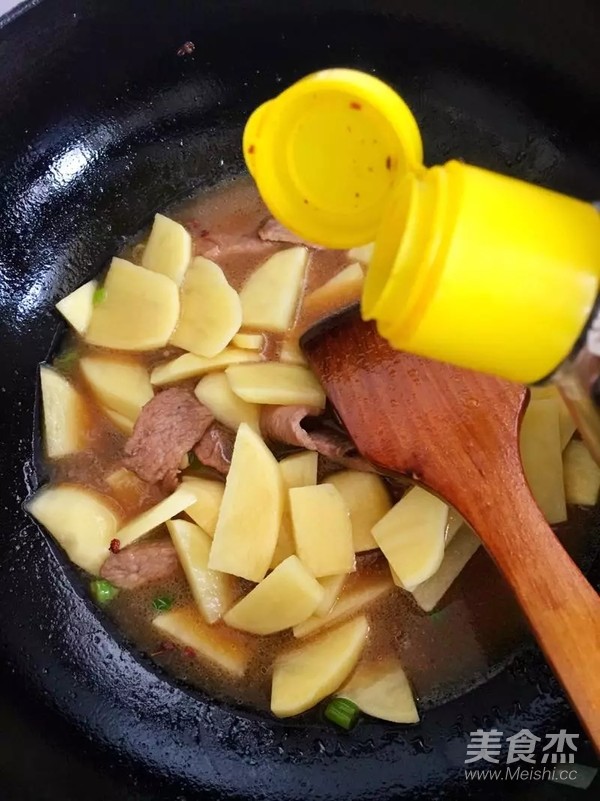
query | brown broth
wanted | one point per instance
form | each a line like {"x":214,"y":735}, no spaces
{"x":477,"y":624}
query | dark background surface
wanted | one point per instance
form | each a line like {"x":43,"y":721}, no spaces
{"x":102,"y":124}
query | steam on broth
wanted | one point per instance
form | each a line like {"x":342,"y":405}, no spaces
{"x":226,"y":522}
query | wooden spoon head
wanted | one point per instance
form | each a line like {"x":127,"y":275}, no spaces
{"x":443,"y":426}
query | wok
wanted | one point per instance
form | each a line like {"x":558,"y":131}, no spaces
{"x":101,"y":125}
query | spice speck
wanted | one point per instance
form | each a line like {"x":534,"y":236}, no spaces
{"x":356,"y":106}
{"x":115,"y":546}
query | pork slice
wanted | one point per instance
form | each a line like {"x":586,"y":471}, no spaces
{"x":273,"y":231}
{"x":223,"y":246}
{"x":140,"y":564}
{"x":216,"y":448}
{"x":168,"y":427}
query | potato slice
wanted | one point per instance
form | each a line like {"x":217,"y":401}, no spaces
{"x":192,"y":366}
{"x":214,"y":644}
{"x":169,"y":249}
{"x":83,"y":522}
{"x":64,"y":414}
{"x":118,"y":384}
{"x":139,"y":312}
{"x":209,"y":495}
{"x":77,"y":307}
{"x":250,"y":514}
{"x":297,"y":470}
{"x":412,"y":536}
{"x":541,"y":454}
{"x":270,"y":296}
{"x":158,"y":514}
{"x":248,"y":341}
{"x":212,"y":591}
{"x":276,"y":384}
{"x":216,"y":394}
{"x":350,"y":279}
{"x":304,"y":676}
{"x":360,"y":593}
{"x":332,"y":587}
{"x":367,"y":500}
{"x":211,"y":312}
{"x":382,"y":690}
{"x":290,"y":352}
{"x":322,"y":530}
{"x":126,"y":486}
{"x":582,"y":475}
{"x":459,"y":551}
{"x":120,"y":422}
{"x":363,"y":253}
{"x":566,"y":424}
{"x":287,"y":596}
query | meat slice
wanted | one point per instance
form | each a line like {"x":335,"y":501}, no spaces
{"x":273,"y":231}
{"x":223,"y":246}
{"x":168,"y":427}
{"x":216,"y":448}
{"x":140,"y":564}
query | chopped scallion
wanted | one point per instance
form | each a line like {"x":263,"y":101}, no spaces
{"x":65,"y":360}
{"x":162,"y":603}
{"x":342,"y":712}
{"x":103,"y":591}
{"x":99,"y":295}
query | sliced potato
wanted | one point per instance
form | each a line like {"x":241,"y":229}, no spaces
{"x":168,"y":249}
{"x":412,"y":536}
{"x":349,"y":280}
{"x":566,"y":424}
{"x":213,"y":644}
{"x":322,"y":529}
{"x":367,"y":500}
{"x":139,"y":312}
{"x":158,"y":514}
{"x":216,"y":394}
{"x":270,"y":296}
{"x":459,"y":551}
{"x":304,"y":676}
{"x":287,"y":596}
{"x":541,"y":454}
{"x":300,"y":469}
{"x":363,"y":253}
{"x":250,"y":514}
{"x":209,"y":495}
{"x":120,"y":422}
{"x":290,"y":352}
{"x":332,"y":587}
{"x":82,"y":521}
{"x":349,"y":275}
{"x":126,"y":486}
{"x":582,"y":475}
{"x":118,"y":384}
{"x":77,"y":307}
{"x":355,"y":597}
{"x":382,"y":690}
{"x":276,"y":384}
{"x":191,"y":366}
{"x":285,"y":539}
{"x":248,"y":341}
{"x":211,"y":312}
{"x":64,"y":414}
{"x":212,"y":591}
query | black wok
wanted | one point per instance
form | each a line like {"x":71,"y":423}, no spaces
{"x":102,"y":124}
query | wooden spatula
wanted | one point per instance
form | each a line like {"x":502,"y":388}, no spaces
{"x":457,"y":433}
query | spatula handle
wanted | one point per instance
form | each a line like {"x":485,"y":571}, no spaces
{"x":563,"y":609}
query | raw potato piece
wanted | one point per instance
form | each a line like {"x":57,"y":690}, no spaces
{"x":582,"y":475}
{"x":215,"y":393}
{"x":367,"y":500}
{"x":191,"y":366}
{"x":122,"y":423}
{"x":212,"y":644}
{"x":363,"y":254}
{"x":566,"y":424}
{"x":212,"y":591}
{"x":459,"y":551}
{"x":322,"y":530}
{"x":382,"y":690}
{"x":290,"y":352}
{"x":287,"y":596}
{"x":351,"y":278}
{"x":332,"y":587}
{"x":151,"y":518}
{"x":169,"y":249}
{"x":77,"y":307}
{"x":412,"y":536}
{"x":127,"y":487}
{"x":139,"y":311}
{"x":270,"y":296}
{"x":209,"y":495}
{"x":297,"y":470}
{"x":354,"y":598}
{"x":276,"y":384}
{"x":541,"y":454}
{"x":304,"y":676}
{"x":118,"y":384}
{"x":211,"y":312}
{"x":250,"y":514}
{"x":64,"y":414}
{"x":248,"y":341}
{"x":82,"y":521}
